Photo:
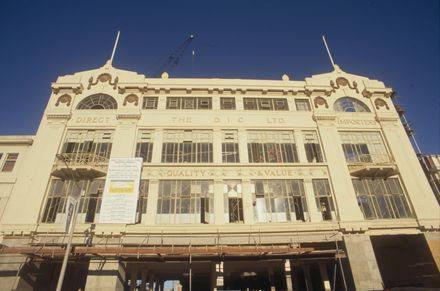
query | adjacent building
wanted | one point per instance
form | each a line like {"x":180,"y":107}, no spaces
{"x":245,"y":185}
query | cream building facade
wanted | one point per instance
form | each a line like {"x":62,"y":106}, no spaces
{"x":258,"y":184}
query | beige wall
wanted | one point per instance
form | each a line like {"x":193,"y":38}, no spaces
{"x":28,"y":195}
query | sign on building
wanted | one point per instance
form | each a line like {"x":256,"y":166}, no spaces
{"x":121,"y":191}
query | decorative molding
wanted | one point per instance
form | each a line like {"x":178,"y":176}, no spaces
{"x":139,"y":89}
{"x":58,"y":116}
{"x":65,"y":98}
{"x":105,"y":77}
{"x":324,"y":117}
{"x":381,"y":103}
{"x":128,"y":116}
{"x":319,"y":101}
{"x":387,"y":118}
{"x":386,"y":93}
{"x":67,"y":88}
{"x":342,"y":82}
{"x":131,"y":98}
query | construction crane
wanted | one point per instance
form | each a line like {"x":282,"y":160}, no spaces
{"x":175,"y":56}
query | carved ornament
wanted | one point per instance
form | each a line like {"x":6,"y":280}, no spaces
{"x":65,"y":98}
{"x":381,"y":103}
{"x":103,"y":78}
{"x":319,"y":101}
{"x":342,"y":82}
{"x":131,"y":98}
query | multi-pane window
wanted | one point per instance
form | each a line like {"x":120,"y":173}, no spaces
{"x":364,"y":147}
{"x":150,"y":103}
{"x":189,"y":103}
{"x":233,"y":201}
{"x":144,"y":145}
{"x":276,"y":146}
{"x":227,"y":103}
{"x":312,"y":147}
{"x":302,"y":105}
{"x":89,"y":204}
{"x":265,"y":104}
{"x":279,"y":200}
{"x":187,"y":146}
{"x":324,"y":199}
{"x":85,"y":146}
{"x":230,"y":152}
{"x":348,"y":104}
{"x":10,"y":161}
{"x":185,"y":201}
{"x":381,"y":198}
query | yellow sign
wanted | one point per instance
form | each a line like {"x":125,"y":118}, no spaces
{"x":121,"y":186}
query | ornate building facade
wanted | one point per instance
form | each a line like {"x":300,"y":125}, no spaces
{"x":245,"y":185}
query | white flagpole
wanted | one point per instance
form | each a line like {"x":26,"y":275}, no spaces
{"x":114,"y":48}
{"x":328,"y":51}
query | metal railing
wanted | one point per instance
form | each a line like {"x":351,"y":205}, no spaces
{"x":371,"y":159}
{"x":84,"y":159}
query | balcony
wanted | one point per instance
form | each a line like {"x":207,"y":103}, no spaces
{"x":371,"y":165}
{"x":80,"y":166}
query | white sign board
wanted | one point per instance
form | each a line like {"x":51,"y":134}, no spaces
{"x":121,"y":191}
{"x":70,"y":208}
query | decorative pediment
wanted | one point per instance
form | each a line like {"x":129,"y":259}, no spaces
{"x":343,"y":82}
{"x":103,"y":78}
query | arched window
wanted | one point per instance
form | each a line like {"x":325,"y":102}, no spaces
{"x":98,"y":101}
{"x":348,"y":104}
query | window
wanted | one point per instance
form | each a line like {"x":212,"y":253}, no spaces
{"x":185,"y":201}
{"x":312,"y":147}
{"x":88,"y":146}
{"x":271,"y":146}
{"x":230,"y":152}
{"x":348,"y":104}
{"x":98,"y":101}
{"x":150,"y":103}
{"x":10,"y":161}
{"x":279,"y":200}
{"x":89,"y":204}
{"x":364,"y":147}
{"x":187,"y":146}
{"x":227,"y":103}
{"x":324,"y":199}
{"x":302,"y":105}
{"x":381,"y":198}
{"x":189,"y":103}
{"x":265,"y":104}
{"x":233,"y":201}
{"x":144,"y":146}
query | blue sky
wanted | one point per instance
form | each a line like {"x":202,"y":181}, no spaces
{"x":396,"y":42}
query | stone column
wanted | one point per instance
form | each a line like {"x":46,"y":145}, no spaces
{"x":248,"y":208}
{"x":219,"y":211}
{"x":363,"y":264}
{"x":308,"y":278}
{"x":217,"y":279}
{"x":105,"y":275}
{"x":151,"y":282}
{"x":144,"y":274}
{"x":314,"y":213}
{"x":271,"y":279}
{"x":324,"y":276}
{"x":133,"y":278}
{"x":299,"y":141}
{"x":288,"y":275}
{"x":217,"y":146}
{"x":153,"y":194}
